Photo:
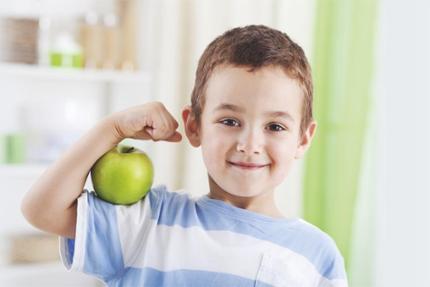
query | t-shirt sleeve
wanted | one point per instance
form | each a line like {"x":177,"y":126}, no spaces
{"x":99,"y":247}
{"x":334,"y":274}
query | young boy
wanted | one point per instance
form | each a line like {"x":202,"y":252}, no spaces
{"x":251,"y":114}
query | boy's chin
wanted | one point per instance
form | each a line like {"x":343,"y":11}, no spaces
{"x":243,"y":192}
{"x":224,"y":189}
{"x":248,"y":194}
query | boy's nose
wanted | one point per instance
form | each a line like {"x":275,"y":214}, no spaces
{"x":249,"y":142}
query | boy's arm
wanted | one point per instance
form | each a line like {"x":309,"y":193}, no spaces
{"x":51,"y":203}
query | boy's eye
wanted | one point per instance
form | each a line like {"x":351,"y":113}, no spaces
{"x":230,"y":122}
{"x":276,"y":128}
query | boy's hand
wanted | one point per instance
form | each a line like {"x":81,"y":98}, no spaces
{"x":148,"y":121}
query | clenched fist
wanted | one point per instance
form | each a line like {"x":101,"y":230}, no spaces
{"x":148,"y":121}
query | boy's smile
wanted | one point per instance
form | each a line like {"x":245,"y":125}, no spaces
{"x":250,"y":133}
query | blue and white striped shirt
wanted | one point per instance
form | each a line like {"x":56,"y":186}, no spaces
{"x":170,"y":239}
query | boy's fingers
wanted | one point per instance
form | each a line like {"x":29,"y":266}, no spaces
{"x":142,"y":135}
{"x":176,"y":137}
{"x":162,"y":134}
{"x":170,"y":122}
{"x":162,"y":126}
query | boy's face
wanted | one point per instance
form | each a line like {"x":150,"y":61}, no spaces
{"x":250,"y":129}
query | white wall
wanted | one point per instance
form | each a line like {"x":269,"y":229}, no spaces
{"x":403,"y":213}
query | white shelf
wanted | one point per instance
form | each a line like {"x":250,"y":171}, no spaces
{"x":86,"y":75}
{"x":35,"y":9}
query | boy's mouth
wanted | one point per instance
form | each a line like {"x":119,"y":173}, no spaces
{"x":247,"y":165}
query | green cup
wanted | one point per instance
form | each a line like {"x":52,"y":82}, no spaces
{"x":15,"y":147}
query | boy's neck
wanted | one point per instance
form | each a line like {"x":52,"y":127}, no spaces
{"x":263,"y":203}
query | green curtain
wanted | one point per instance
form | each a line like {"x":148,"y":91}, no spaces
{"x":342,"y":64}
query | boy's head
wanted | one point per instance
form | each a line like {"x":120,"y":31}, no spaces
{"x":255,"y":47}
{"x":251,"y":109}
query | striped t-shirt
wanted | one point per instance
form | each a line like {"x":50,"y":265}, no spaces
{"x":171,"y":239}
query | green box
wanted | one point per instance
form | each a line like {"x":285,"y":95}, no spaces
{"x":66,"y":60}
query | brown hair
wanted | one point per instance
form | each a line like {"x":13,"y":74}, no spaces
{"x":254,"y":46}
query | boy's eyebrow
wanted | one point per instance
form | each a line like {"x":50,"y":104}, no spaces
{"x":230,"y":107}
{"x":235,"y":108}
{"x":280,"y":114}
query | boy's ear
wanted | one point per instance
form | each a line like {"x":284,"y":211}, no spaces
{"x":191,"y":127}
{"x":305,"y":140}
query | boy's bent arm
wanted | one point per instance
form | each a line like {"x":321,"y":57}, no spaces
{"x":51,"y":202}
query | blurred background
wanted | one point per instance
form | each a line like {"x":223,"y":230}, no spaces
{"x":66,"y":64}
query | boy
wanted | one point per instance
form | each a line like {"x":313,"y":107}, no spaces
{"x":251,"y":114}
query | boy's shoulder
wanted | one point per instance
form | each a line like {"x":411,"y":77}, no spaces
{"x":314,"y":233}
{"x":316,"y":241}
{"x":321,"y":249}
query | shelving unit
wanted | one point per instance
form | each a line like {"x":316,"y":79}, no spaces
{"x":16,"y":179}
{"x":86,"y":92}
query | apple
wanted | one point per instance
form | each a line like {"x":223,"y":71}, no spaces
{"x":123,"y":175}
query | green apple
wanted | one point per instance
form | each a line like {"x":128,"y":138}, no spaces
{"x":123,"y":175}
